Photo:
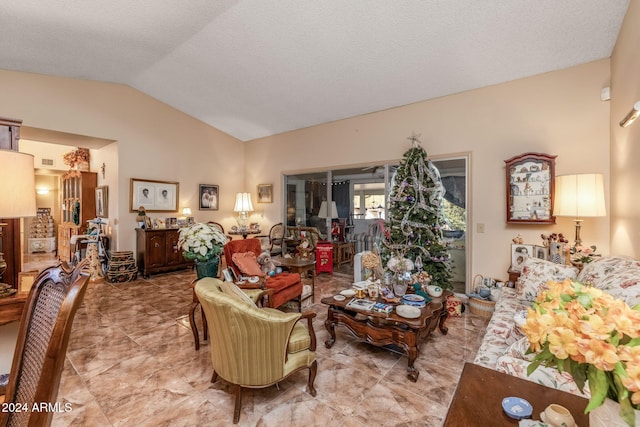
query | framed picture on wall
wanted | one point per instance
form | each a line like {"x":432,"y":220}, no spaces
{"x":155,"y":196}
{"x":102,"y":201}
{"x":265,"y":193}
{"x":208,"y":196}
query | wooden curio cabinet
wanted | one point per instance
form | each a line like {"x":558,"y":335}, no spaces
{"x":78,"y":206}
{"x":530,"y":188}
{"x":157,"y":251}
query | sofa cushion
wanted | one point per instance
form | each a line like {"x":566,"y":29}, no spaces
{"x":537,"y":272}
{"x":247,"y":264}
{"x":619,"y":276}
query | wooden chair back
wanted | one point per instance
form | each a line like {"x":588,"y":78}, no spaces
{"x":42,"y":343}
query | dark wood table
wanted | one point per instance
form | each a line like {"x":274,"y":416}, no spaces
{"x":11,"y":307}
{"x":388,"y":330}
{"x":478,"y":399}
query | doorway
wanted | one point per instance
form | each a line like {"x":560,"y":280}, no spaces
{"x":361,"y":195}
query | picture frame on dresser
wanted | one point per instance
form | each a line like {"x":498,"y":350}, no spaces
{"x":154,"y":196}
{"x":519,"y":253}
{"x":102,"y":201}
{"x":530,"y":188}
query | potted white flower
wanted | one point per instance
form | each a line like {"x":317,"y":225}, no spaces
{"x":202,"y":244}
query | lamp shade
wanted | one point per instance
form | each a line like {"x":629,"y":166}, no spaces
{"x":17,"y":185}
{"x":323,"y":213}
{"x":243,"y":203}
{"x":579,"y":195}
{"x":186,"y":211}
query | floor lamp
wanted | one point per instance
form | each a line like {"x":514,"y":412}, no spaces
{"x":579,"y":196}
{"x":17,"y":188}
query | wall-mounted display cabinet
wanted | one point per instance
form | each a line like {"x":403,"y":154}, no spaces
{"x":530,"y":188}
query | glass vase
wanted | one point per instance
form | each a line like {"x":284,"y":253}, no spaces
{"x":401,"y":283}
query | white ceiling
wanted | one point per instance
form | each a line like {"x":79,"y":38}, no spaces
{"x":254,"y":68}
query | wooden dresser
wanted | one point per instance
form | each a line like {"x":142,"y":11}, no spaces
{"x":157,"y":251}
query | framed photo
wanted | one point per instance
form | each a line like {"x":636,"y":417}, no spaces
{"x":171,"y":222}
{"x":102,"y":201}
{"x":556,"y":253}
{"x":208,"y":197}
{"x":25,"y":280}
{"x":229,"y":275}
{"x":519,"y":253}
{"x":265,"y":193}
{"x":540,"y":252}
{"x":155,"y":196}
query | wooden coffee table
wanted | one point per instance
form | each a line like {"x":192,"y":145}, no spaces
{"x":478,"y":399}
{"x":388,"y":330}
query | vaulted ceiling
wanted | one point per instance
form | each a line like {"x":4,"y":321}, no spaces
{"x":254,"y":68}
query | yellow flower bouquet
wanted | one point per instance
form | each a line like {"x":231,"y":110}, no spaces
{"x":593,"y":336}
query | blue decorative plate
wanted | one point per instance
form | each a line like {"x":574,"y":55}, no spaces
{"x":517,"y":408}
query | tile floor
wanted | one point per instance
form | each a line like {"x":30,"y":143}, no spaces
{"x":131,"y":361}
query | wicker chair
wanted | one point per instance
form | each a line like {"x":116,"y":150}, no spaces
{"x":43,"y":337}
{"x":255,"y":347}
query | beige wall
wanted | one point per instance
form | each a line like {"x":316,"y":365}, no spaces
{"x":625,"y":143}
{"x":154,"y":141}
{"x":557,"y":113}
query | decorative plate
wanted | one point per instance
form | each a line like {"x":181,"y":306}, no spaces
{"x":339,"y":297}
{"x":348,"y":293}
{"x":517,"y":408}
{"x":413,"y":298}
{"x":408,"y":311}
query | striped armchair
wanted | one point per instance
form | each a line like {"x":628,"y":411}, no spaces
{"x":254,"y":347}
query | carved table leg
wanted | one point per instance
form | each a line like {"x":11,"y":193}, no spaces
{"x":329,"y":325}
{"x":411,"y":348}
{"x":443,"y":318}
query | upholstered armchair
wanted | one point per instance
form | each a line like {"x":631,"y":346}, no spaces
{"x":254,"y":347}
{"x":285,"y":286}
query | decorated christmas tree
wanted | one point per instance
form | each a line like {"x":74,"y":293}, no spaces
{"x":415,"y":217}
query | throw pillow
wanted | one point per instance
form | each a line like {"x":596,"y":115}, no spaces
{"x":247,"y":264}
{"x":454,"y":306}
{"x":537,"y":272}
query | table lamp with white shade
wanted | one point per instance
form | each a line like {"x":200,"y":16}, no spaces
{"x":17,"y":187}
{"x":243,"y":207}
{"x":579,"y":196}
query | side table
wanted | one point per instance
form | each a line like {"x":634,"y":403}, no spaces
{"x":477,"y":400}
{"x":343,"y":253}
{"x":303,"y":266}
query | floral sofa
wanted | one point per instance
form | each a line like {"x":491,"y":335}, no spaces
{"x":504,"y":346}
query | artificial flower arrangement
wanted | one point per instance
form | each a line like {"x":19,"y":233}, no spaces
{"x":75,"y":157}
{"x":593,"y":336}
{"x":201,"y":242}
